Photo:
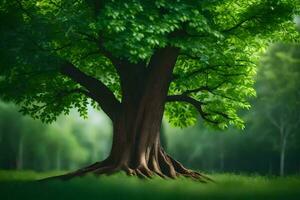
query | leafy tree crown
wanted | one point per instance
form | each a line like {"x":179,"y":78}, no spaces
{"x":219,"y":40}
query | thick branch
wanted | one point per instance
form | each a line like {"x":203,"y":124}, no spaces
{"x":197,"y":104}
{"x":96,"y":89}
{"x":131,"y":75}
{"x":99,"y":41}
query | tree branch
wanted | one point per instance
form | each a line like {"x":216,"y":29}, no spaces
{"x":197,"y":104}
{"x":209,"y":67}
{"x":100,"y":44}
{"x":272,"y":120}
{"x":96,"y":89}
{"x":235,"y":26}
{"x":183,"y":32}
{"x":75,"y":90}
{"x":204,"y":88}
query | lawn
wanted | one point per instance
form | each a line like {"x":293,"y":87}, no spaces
{"x":21,"y":185}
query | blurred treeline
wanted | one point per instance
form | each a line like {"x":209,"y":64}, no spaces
{"x":270,"y":143}
{"x":66,"y":144}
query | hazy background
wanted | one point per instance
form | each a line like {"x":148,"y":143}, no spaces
{"x":72,"y":142}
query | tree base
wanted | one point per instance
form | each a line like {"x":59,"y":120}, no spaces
{"x":173,"y":170}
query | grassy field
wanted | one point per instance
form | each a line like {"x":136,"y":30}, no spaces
{"x":21,"y":185}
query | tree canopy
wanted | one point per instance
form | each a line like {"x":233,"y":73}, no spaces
{"x":219,"y":42}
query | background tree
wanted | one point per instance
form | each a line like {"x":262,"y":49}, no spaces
{"x":130,"y":58}
{"x":29,"y":144}
{"x":279,"y":92}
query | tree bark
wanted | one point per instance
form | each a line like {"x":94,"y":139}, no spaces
{"x":163,"y":137}
{"x":136,"y":147}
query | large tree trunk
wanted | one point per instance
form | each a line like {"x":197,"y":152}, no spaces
{"x":136,"y":147}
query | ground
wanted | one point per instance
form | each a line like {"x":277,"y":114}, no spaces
{"x":20,"y":185}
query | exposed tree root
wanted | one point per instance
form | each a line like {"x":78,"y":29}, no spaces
{"x":167,"y":168}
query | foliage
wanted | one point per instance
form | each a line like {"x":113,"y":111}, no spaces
{"x":273,"y":121}
{"x":219,"y":43}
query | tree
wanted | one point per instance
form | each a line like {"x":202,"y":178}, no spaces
{"x":14,"y":142}
{"x":131,"y":58}
{"x":36,"y":146}
{"x":280,"y":73}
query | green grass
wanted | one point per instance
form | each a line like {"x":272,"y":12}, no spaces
{"x":15,"y":185}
